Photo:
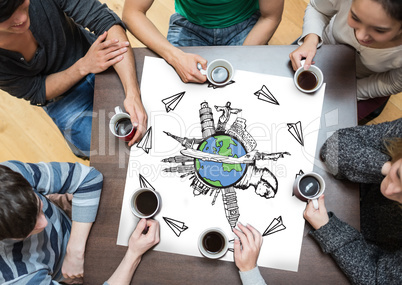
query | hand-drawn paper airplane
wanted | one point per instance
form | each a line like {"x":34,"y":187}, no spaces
{"x":176,"y":226}
{"x":144,"y":183}
{"x":172,"y":101}
{"x":146,"y":142}
{"x":296,"y":130}
{"x":265,"y":95}
{"x":299,"y":174}
{"x":275,"y":226}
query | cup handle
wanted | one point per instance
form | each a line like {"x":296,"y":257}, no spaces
{"x":315,"y":203}
{"x":118,"y":110}
{"x":203,"y":71}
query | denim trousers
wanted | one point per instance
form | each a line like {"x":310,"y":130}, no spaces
{"x":72,"y":113}
{"x":184,"y":33}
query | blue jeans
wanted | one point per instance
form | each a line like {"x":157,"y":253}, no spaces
{"x":72,"y":113}
{"x":184,"y":33}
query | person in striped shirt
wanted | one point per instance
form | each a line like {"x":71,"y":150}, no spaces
{"x":39,"y":244}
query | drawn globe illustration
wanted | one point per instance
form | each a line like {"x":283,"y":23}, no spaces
{"x":216,"y":174}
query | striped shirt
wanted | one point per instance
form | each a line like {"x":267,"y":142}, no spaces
{"x":38,"y":259}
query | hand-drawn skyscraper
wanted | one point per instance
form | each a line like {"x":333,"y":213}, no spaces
{"x":207,"y":120}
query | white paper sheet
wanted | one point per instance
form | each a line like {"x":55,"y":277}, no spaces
{"x":277,"y":116}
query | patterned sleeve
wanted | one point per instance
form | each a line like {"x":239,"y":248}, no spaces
{"x":363,"y":263}
{"x":358,"y":153}
{"x":85,"y":183}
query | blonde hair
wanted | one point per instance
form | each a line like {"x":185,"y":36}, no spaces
{"x":394,"y":148}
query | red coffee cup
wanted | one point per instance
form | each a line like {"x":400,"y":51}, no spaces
{"x":120,"y":125}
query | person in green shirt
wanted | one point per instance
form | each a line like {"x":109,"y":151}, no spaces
{"x":203,"y":23}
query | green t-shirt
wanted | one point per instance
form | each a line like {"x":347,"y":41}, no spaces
{"x":215,"y":13}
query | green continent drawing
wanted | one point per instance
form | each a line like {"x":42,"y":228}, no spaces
{"x":217,"y":174}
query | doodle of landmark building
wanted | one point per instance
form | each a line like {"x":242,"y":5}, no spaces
{"x":239,"y":132}
{"x":186,"y":142}
{"x":207,"y":120}
{"x":230,"y":203}
{"x":199,"y":187}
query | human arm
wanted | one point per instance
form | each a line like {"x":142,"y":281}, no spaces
{"x":380,"y":84}
{"x":185,"y":64}
{"x":246,"y":251}
{"x":73,"y":263}
{"x":358,"y":153}
{"x":363,"y":263}
{"x":138,"y":244}
{"x":317,"y":16}
{"x":263,"y":30}
{"x":101,"y":55}
{"x":128,"y":77}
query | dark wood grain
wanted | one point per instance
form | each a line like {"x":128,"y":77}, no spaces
{"x":110,"y":156}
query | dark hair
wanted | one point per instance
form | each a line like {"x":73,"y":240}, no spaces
{"x":19,"y":205}
{"x":392,"y":7}
{"x":8,"y":7}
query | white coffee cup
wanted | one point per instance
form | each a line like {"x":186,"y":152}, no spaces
{"x":213,"y":243}
{"x":310,"y":80}
{"x":145,"y":203}
{"x":219,"y":72}
{"x":309,"y":186}
{"x":119,"y":123}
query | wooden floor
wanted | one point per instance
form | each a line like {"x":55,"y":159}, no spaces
{"x":28,"y":134}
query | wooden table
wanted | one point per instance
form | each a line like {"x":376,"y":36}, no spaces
{"x":110,"y":157}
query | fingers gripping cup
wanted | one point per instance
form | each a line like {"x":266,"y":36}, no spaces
{"x":213,"y":243}
{"x":310,"y":80}
{"x":309,"y":186}
{"x":120,"y":125}
{"x":145,"y":203}
{"x":219,"y":72}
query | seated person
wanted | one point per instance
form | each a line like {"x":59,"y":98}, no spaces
{"x":371,"y":155}
{"x":32,"y":228}
{"x":203,"y":23}
{"x":373,"y":28}
{"x":246,"y":250}
{"x":49,"y":58}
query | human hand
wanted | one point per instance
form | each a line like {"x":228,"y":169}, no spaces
{"x":139,"y":242}
{"x":73,"y":265}
{"x":134,"y":107}
{"x":185,"y":65}
{"x":307,"y":50}
{"x":316,"y":218}
{"x":246,"y":253}
{"x":102,"y":54}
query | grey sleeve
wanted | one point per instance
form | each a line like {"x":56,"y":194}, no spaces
{"x":358,"y":153}
{"x":363,"y":263}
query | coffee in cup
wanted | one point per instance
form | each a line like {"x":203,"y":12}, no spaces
{"x":120,"y":125}
{"x":219,"y":72}
{"x":145,"y":203}
{"x":309,"y":80}
{"x":309,"y":186}
{"x":213,"y":243}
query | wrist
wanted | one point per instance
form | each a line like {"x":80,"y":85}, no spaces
{"x":81,"y":67}
{"x":312,"y":39}
{"x":173,"y":56}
